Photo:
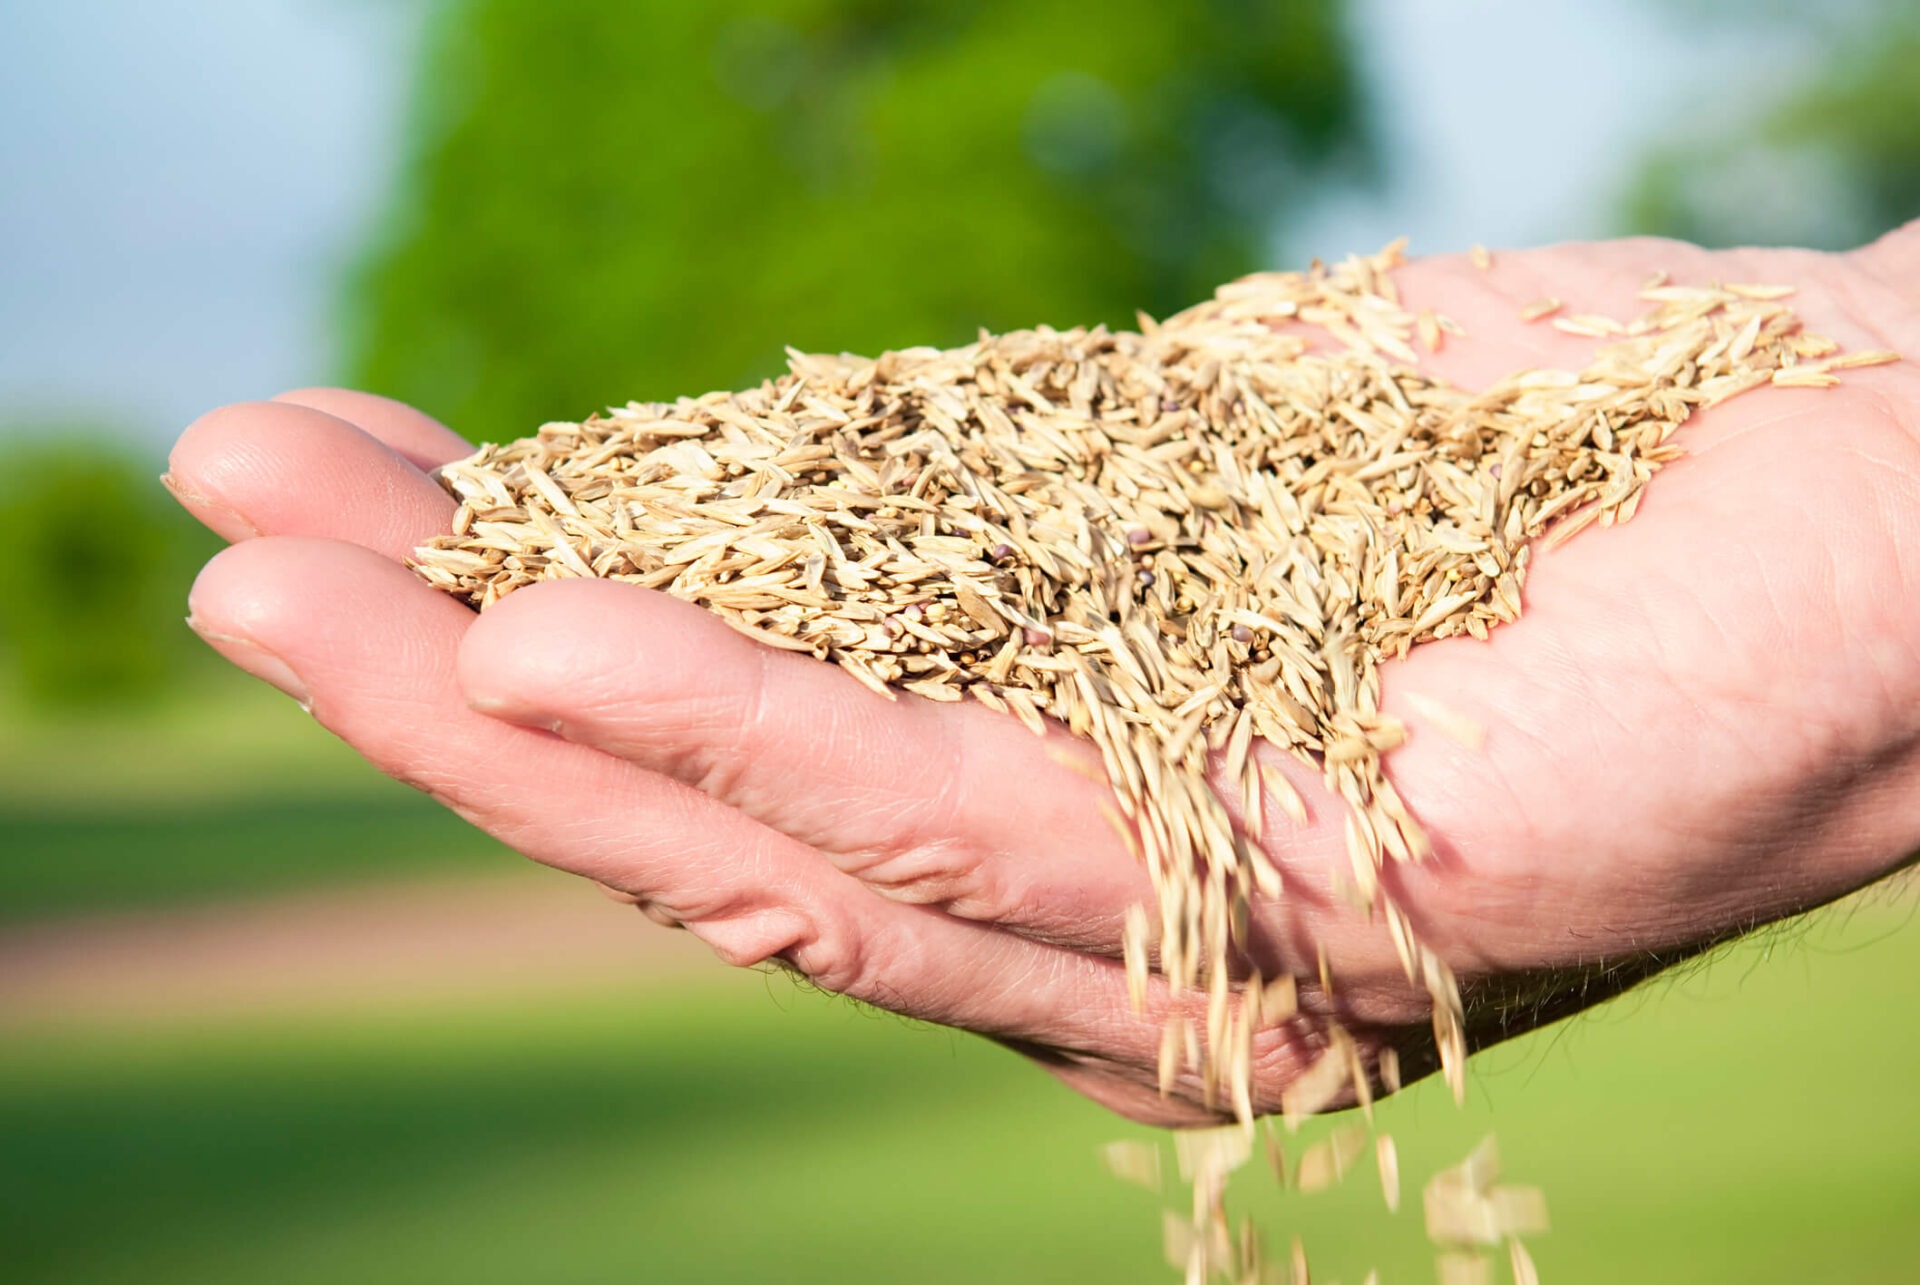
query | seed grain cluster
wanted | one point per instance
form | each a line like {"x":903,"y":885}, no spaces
{"x":1171,"y":541}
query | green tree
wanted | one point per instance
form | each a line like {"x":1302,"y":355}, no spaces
{"x":1831,"y":162}
{"x":607,"y":200}
{"x":96,"y":560}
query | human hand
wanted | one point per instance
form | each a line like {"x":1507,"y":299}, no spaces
{"x":1706,"y":719}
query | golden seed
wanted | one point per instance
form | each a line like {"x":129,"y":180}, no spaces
{"x":1168,"y":541}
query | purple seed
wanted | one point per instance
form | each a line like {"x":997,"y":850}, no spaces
{"x":1146,"y":579}
{"x":1242,"y":634}
{"x":1001,"y":552}
{"x":1037,"y":637}
{"x":1139,"y":536}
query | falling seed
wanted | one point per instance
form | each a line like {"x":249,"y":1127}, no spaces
{"x":1221,"y":1150}
{"x":1134,"y":1162}
{"x":1135,"y":941}
{"x":1387,"y":1155}
{"x":1521,"y":1262}
{"x":1276,"y":1154}
{"x":1326,"y":1162}
{"x":1461,"y":1267}
{"x":842,"y":510}
{"x":1389,"y":1063}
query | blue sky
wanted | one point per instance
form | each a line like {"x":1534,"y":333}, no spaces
{"x":182,"y":181}
{"x":180,"y":184}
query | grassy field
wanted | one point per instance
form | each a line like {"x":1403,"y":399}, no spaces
{"x":227,"y":790}
{"x":1750,"y":1120}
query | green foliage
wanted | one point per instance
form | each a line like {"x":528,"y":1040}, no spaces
{"x":1867,"y":109}
{"x":95,"y":575}
{"x":1832,"y":163}
{"x":609,"y":201}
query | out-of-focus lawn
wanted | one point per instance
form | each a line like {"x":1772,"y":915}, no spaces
{"x":1752,"y":1122}
{"x":1749,"y":1121}
{"x":226,"y":789}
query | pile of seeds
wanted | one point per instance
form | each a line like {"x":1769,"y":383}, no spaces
{"x":1170,"y":541}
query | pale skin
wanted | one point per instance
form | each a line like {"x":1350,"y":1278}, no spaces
{"x":1708,"y":719}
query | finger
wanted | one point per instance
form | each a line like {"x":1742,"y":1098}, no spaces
{"x":415,"y":436}
{"x":956,"y":806}
{"x":371,"y":649}
{"x":952,"y":806}
{"x":274,"y":468}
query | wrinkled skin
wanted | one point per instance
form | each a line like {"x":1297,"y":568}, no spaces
{"x":1708,"y":718}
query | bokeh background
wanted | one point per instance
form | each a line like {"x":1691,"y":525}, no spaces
{"x":266,"y":1016}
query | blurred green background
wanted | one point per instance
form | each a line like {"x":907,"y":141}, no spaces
{"x":215,"y":1062}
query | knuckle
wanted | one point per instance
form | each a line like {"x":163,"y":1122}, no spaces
{"x":829,"y":954}
{"x":754,"y":937}
{"x":837,"y":961}
{"x":945,"y":874}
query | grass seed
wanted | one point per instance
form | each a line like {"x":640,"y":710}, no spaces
{"x":1175,"y":542}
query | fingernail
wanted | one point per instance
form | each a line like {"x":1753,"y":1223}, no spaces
{"x":489,"y":704}
{"x":225,"y":520}
{"x":256,"y":660}
{"x":511,"y":711}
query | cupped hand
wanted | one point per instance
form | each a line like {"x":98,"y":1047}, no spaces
{"x":1707,"y":719}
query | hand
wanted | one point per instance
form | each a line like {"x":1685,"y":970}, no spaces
{"x":1707,"y":719}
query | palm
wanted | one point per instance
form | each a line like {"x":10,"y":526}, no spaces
{"x":1678,"y":734}
{"x":1679,"y":731}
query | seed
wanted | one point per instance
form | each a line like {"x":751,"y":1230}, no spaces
{"x":1331,"y":501}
